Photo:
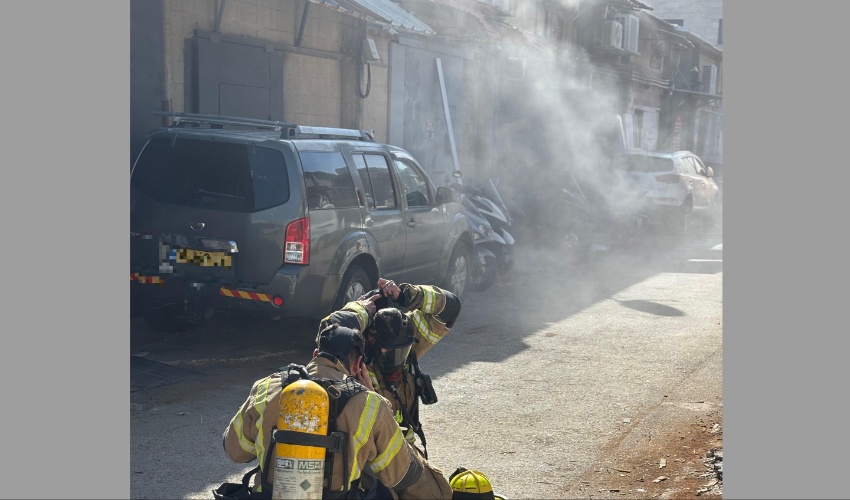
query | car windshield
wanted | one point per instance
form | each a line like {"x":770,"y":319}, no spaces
{"x":212,"y":174}
{"x":636,"y":163}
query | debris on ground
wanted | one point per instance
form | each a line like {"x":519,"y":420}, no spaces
{"x":689,"y":452}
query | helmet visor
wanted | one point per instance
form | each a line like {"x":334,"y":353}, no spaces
{"x":393,"y":358}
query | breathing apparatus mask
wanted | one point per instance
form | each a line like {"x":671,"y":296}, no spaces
{"x":391,"y":357}
{"x":394,"y":337}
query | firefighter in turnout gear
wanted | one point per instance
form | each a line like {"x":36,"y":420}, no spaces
{"x":396,"y":338}
{"x":373,"y":446}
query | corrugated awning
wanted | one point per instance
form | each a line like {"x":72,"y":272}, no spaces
{"x":380,"y":11}
{"x":478,"y":10}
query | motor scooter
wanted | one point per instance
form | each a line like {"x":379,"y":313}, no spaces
{"x":571,"y":221}
{"x":486,"y":198}
{"x":487,"y":243}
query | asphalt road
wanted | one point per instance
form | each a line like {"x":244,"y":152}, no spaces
{"x":541,"y":373}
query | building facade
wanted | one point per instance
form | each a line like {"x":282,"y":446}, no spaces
{"x":703,"y":18}
{"x":490,"y":87}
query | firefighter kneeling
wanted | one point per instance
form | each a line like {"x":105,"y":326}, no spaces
{"x":353,"y":430}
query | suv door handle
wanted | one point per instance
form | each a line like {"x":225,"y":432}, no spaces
{"x":411,"y":222}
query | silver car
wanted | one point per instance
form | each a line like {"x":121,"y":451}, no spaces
{"x":670,"y":186}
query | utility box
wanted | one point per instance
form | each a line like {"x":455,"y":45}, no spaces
{"x":370,"y":51}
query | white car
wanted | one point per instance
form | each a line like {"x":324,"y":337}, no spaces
{"x":669,"y":186}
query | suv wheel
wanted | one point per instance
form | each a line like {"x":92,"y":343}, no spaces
{"x":355,"y":282}
{"x":485,"y":275}
{"x":457,"y":276}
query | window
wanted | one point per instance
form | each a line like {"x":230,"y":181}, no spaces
{"x":554,"y":27}
{"x":638,"y":129}
{"x":413,"y":184}
{"x":699,"y":166}
{"x":212,"y":174}
{"x":375,"y":174}
{"x":720,"y":32}
{"x":541,"y":20}
{"x":659,"y":51}
{"x":688,"y":166}
{"x":328,"y":180}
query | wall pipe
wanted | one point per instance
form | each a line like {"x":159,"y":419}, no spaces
{"x":303,"y":23}
{"x":219,"y":14}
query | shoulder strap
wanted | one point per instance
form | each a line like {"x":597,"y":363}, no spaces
{"x":414,"y":424}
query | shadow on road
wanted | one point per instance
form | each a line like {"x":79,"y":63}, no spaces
{"x":650,"y":307}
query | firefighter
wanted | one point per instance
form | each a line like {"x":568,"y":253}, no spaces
{"x":375,"y":446}
{"x":396,"y":340}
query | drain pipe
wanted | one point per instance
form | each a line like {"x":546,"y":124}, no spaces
{"x":303,"y":23}
{"x":218,"y":15}
{"x":447,"y":113}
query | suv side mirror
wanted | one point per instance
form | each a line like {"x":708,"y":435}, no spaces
{"x":444,"y":195}
{"x":709,"y":171}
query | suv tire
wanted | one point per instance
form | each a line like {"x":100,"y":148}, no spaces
{"x":458,"y":273}
{"x":485,"y":276}
{"x":355,"y":282}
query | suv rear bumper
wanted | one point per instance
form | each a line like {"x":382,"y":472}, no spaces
{"x":254,"y":299}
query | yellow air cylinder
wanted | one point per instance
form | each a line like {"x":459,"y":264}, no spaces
{"x":299,"y":469}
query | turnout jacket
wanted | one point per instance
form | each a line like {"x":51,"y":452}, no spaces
{"x":375,"y":442}
{"x":432,"y":311}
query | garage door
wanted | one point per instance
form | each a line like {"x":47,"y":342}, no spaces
{"x":239,"y":80}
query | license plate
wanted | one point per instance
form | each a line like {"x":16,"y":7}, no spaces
{"x":202,"y":258}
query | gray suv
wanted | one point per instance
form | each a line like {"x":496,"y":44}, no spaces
{"x":281,"y":220}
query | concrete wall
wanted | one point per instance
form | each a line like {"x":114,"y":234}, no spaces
{"x":315,"y":88}
{"x":375,"y":108}
{"x":146,"y":70}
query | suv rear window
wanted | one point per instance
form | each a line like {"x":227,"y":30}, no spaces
{"x":643,"y":164}
{"x":212,"y":174}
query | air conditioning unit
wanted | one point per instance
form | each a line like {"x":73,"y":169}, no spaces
{"x":631,"y":30}
{"x":709,"y":79}
{"x":612,"y":35}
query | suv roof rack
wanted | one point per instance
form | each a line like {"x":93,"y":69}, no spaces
{"x":287,"y":130}
{"x":292,"y":131}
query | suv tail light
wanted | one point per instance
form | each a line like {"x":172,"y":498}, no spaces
{"x":668,"y":178}
{"x":296,"y":247}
